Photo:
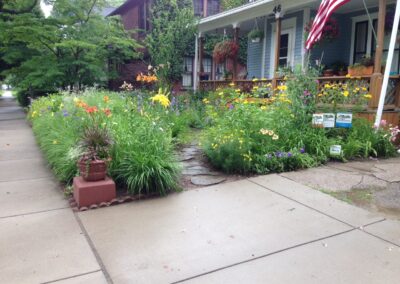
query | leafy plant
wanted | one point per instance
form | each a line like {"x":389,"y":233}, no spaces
{"x":255,"y":33}
{"x":224,"y":50}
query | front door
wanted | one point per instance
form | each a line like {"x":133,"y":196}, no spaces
{"x":286,"y":50}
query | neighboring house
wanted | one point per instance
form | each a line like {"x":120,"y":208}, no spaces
{"x":355,"y":39}
{"x":135,"y":15}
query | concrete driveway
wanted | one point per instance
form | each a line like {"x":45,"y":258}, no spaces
{"x":267,"y":229}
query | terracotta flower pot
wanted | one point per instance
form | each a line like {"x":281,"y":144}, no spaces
{"x":328,"y":73}
{"x":342,"y":73}
{"x":368,"y":70}
{"x":92,"y":170}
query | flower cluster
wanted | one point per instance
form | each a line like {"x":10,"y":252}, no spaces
{"x":270,"y":133}
{"x":147,"y":79}
{"x":354,"y":92}
{"x":126,"y":87}
{"x":161,"y":99}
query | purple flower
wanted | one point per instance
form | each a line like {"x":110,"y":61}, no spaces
{"x":65,"y":113}
{"x":289,"y":154}
{"x":279,"y":154}
{"x":231,"y":107}
{"x":302,"y":150}
{"x":173,"y":101}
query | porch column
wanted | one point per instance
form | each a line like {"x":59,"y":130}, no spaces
{"x":236,"y":41}
{"x":278,"y":28}
{"x":196,"y":63}
{"x":201,"y":55}
{"x":377,"y":77}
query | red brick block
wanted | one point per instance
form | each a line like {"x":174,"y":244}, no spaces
{"x":87,"y":193}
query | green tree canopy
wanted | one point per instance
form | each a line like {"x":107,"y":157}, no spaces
{"x":73,"y":48}
{"x":173,"y":30}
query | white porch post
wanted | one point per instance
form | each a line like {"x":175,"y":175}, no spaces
{"x":196,"y":63}
{"x":388,"y":65}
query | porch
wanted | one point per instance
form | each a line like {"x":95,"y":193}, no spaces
{"x":283,"y":44}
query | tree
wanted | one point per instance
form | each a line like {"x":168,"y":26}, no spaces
{"x":173,"y":31}
{"x":69,"y":49}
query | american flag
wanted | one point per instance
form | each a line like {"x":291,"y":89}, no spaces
{"x":325,"y":10}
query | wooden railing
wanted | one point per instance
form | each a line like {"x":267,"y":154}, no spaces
{"x":392,"y":101}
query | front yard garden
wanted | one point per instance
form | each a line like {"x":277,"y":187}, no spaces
{"x":254,"y":132}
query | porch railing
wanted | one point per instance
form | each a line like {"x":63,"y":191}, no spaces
{"x":392,"y":101}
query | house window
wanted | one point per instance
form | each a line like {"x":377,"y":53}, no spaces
{"x":187,"y":75}
{"x":143,"y":17}
{"x":284,"y":51}
{"x":386,"y":41}
{"x":361,"y":39}
{"x":198,"y":8}
{"x":212,"y":7}
{"x":365,"y":44}
{"x":220,"y":71}
{"x":207,"y":68}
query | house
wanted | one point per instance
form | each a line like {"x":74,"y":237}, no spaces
{"x":283,"y":24}
{"x":135,"y":15}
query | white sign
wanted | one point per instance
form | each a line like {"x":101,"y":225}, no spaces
{"x":329,"y":120}
{"x":318,"y":120}
{"x":335,"y":150}
{"x":344,"y":120}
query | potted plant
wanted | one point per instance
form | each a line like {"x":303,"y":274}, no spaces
{"x":328,"y":72}
{"x":364,"y":67}
{"x":368,"y":63}
{"x":340,"y":68}
{"x":224,"y":50}
{"x":255,"y":35}
{"x":228,"y":75}
{"x":95,"y":149}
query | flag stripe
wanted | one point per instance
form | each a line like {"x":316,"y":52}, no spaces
{"x":326,"y":8}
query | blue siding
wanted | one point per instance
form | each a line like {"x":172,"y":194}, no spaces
{"x":254,"y":56}
{"x":297,"y":44}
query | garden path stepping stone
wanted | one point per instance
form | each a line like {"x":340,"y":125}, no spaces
{"x":207,"y":180}
{"x":198,"y":170}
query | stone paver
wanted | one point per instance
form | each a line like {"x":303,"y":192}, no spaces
{"x":23,"y":197}
{"x":43,"y":247}
{"x":354,"y":257}
{"x":317,"y":200}
{"x":168,"y":239}
{"x":326,"y":178}
{"x":207,"y":180}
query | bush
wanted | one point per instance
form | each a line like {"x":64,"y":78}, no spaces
{"x":142,"y":153}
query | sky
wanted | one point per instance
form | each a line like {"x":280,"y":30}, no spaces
{"x":46,"y":8}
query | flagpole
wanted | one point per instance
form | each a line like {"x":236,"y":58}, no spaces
{"x":392,"y":44}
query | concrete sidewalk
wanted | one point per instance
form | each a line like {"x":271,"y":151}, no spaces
{"x":41,"y":240}
{"x":267,"y":229}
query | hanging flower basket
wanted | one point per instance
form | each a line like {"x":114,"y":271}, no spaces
{"x":329,"y":32}
{"x":224,"y":50}
{"x":255,"y":35}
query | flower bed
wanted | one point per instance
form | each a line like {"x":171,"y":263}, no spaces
{"x":276,"y":134}
{"x":144,"y":128}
